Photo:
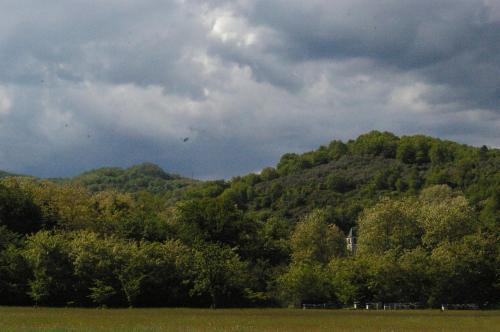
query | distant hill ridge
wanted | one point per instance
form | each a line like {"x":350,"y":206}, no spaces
{"x":4,"y":174}
{"x":146,"y":176}
{"x":142,"y":177}
{"x":342,"y":174}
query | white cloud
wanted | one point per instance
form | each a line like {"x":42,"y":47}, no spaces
{"x":229,"y":28}
{"x":411,"y":97}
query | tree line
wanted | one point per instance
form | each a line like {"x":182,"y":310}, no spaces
{"x":425,"y":211}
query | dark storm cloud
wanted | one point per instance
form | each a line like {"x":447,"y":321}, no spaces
{"x":118,"y":42}
{"x":120,"y":82}
{"x":448,"y":42}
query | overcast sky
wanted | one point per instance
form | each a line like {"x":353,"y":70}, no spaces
{"x":85,"y":84}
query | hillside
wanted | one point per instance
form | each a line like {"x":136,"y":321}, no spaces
{"x":4,"y":174}
{"x":143,"y":177}
{"x":345,"y":178}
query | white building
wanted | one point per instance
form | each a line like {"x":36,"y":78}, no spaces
{"x":351,"y":240}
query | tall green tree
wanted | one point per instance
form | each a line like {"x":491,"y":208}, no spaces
{"x":217,"y":272}
{"x":13,"y":269}
{"x":18,"y":212}
{"x":314,"y":240}
{"x":390,"y":224}
{"x":466,"y":270}
{"x":305,"y":282}
{"x":97,"y":263}
{"x":445,"y":216}
{"x":52,"y":282}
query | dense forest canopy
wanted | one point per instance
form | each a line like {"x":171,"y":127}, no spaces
{"x":426,"y":212}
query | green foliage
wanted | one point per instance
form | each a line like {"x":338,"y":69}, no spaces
{"x":49,"y":260}
{"x":313,"y":240}
{"x":97,"y":264}
{"x":217,"y":272}
{"x":127,"y":216}
{"x":447,"y":219}
{"x":305,"y":283}
{"x":466,"y":270}
{"x":491,"y":211}
{"x":13,"y":269}
{"x":101,"y":293}
{"x":314,"y":243}
{"x":376,"y":143}
{"x":437,"y":215}
{"x":349,"y":280}
{"x":268,"y":174}
{"x":18,"y":212}
{"x":337,"y":149}
{"x":65,"y":206}
{"x":389,"y":225}
{"x":144,"y":177}
{"x":4,"y":174}
{"x":291,"y":163}
{"x":427,"y":213}
{"x":275,"y":235}
{"x":338,"y":183}
{"x":158,"y":274}
{"x":209,"y":219}
{"x":415,"y":150}
{"x":428,"y":249}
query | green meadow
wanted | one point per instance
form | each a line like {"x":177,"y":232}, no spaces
{"x":71,"y":319}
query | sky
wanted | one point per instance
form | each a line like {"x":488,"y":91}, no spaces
{"x":86,"y":84}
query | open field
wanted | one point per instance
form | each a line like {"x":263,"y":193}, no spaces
{"x":70,"y":319}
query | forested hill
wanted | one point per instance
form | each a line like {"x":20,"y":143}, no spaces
{"x":4,"y":174}
{"x":426,"y":211}
{"x":345,"y":178}
{"x":143,"y":177}
{"x":146,"y":177}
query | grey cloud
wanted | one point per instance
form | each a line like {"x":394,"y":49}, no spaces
{"x":144,"y":43}
{"x":403,"y":33}
{"x":447,"y":42}
{"x":121,"y":82}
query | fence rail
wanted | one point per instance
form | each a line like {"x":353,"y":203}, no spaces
{"x":402,"y":306}
{"x":460,"y":306}
{"x":389,"y":306}
{"x":321,"y":306}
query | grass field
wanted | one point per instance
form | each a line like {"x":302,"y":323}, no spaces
{"x":57,"y":319}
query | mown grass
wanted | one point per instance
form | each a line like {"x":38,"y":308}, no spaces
{"x":71,"y":319}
